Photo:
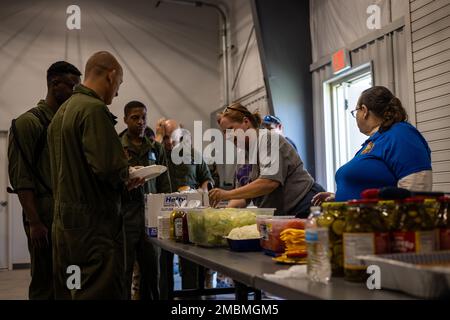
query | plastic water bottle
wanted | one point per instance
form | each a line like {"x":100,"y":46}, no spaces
{"x":318,"y":267}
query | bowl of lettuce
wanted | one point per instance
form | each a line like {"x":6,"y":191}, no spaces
{"x":209,"y":227}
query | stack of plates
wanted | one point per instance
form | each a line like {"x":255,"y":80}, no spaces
{"x":148,"y":173}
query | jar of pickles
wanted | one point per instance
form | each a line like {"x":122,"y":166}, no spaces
{"x":431,"y":207}
{"x":389,"y":210}
{"x":443,"y":223}
{"x":415,"y":230}
{"x":365,"y":233}
{"x":333,"y":218}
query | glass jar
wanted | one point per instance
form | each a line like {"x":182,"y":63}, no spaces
{"x":389,"y":210}
{"x":333,"y":218}
{"x":365,"y":234}
{"x":432,"y":208}
{"x":178,"y":226}
{"x":443,"y":223}
{"x":415,"y":231}
{"x":164,"y":226}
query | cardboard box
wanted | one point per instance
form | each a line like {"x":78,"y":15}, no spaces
{"x":160,"y":203}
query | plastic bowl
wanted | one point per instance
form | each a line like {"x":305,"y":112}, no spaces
{"x":246,"y":245}
{"x":270,"y":229}
{"x":208,"y":226}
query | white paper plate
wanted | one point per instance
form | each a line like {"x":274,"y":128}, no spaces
{"x":148,"y":173}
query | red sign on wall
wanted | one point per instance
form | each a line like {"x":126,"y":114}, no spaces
{"x":341,"y":61}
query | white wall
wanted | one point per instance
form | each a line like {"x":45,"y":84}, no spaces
{"x":4,"y":214}
{"x":18,"y":245}
{"x":337,"y":23}
{"x":169,"y":54}
{"x":430,"y":30}
{"x":250,"y":76}
{"x":13,"y":242}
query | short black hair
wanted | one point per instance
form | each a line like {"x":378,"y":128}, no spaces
{"x":149,"y":133}
{"x":132,"y":105}
{"x":61,"y":68}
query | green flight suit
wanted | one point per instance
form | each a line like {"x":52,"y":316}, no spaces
{"x":192,"y":175}
{"x":138,"y":246}
{"x":89,"y":168}
{"x":31,"y":135}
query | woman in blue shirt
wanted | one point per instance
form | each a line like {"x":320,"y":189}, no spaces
{"x":396,"y":154}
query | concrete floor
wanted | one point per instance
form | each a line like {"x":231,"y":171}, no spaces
{"x":14,"y":284}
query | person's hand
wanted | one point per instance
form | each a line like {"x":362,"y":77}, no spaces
{"x":217,"y":195}
{"x":321,"y":197}
{"x":39,"y":235}
{"x":135,"y":183}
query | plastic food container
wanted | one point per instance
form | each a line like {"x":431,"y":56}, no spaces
{"x":164,"y":227}
{"x":270,"y":228}
{"x":246,"y":245}
{"x":208,"y":227}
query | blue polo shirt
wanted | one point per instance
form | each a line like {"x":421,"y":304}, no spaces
{"x":384,"y":159}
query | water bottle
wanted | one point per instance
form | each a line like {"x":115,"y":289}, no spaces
{"x":318,"y":267}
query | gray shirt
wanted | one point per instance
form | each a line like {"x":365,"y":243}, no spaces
{"x":295,"y":181}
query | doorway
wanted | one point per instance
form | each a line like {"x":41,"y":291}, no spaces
{"x":4,"y":213}
{"x":342,"y":136}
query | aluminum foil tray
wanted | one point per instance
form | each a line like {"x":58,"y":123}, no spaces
{"x":425,"y":275}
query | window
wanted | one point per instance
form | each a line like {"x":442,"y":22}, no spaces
{"x":342,"y":136}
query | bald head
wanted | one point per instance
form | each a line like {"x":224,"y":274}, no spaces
{"x":104,"y":75}
{"x":169,"y":128}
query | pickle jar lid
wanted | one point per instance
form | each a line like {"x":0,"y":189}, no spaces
{"x":386,"y":202}
{"x":333,"y":204}
{"x":370,"y":194}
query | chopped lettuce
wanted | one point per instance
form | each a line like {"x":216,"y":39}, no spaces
{"x":208,"y":227}
{"x":244,"y":233}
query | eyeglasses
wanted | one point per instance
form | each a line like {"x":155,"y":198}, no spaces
{"x":353,"y":112}
{"x":245,"y":113}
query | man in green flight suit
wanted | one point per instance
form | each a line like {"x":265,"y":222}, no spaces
{"x":182,"y":176}
{"x":89,"y":172}
{"x":29,"y":173}
{"x":141,"y":151}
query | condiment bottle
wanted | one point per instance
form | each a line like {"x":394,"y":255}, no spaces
{"x":179,"y":227}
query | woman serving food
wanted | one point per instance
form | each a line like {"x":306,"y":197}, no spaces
{"x":289,"y":189}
